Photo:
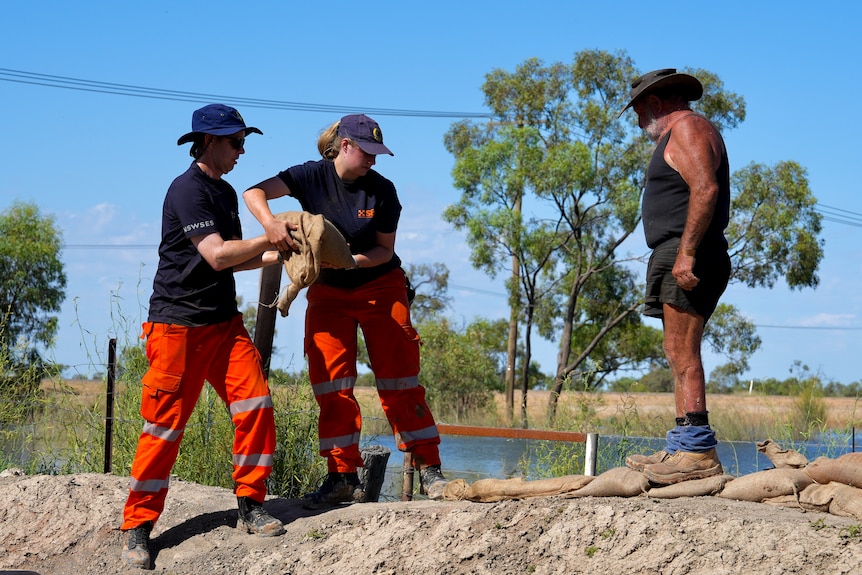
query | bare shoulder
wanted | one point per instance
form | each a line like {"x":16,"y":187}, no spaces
{"x":694,"y":138}
{"x":695,"y":127}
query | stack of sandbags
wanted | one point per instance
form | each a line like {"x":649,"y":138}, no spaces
{"x":828,"y":485}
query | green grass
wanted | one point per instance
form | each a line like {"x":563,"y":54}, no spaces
{"x":67,"y":435}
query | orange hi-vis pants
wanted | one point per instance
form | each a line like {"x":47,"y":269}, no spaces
{"x":181,"y":358}
{"x":380,"y":309}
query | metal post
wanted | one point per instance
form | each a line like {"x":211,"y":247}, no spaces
{"x":109,"y":404}
{"x":407,"y":479}
{"x":590,"y":454}
{"x":264,"y":327}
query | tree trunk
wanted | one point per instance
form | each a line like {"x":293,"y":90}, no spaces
{"x":511,"y":354}
{"x":512,"y":343}
{"x":525,"y":369}
{"x":564,"y":352}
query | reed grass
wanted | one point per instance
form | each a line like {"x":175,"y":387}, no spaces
{"x":68,"y":436}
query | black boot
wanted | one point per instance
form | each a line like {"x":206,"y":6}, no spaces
{"x":432,"y":482}
{"x":336,"y":488}
{"x":137,"y":552}
{"x":256,"y":520}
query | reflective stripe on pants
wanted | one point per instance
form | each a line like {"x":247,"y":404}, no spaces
{"x":380,"y":309}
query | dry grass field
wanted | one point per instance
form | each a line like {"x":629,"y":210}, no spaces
{"x":744,"y":410}
{"x":842,"y":412}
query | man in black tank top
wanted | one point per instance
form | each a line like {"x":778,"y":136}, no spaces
{"x":686,"y":207}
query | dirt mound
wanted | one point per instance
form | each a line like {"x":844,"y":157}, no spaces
{"x":58,"y":525}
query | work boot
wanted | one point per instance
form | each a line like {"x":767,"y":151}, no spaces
{"x":257,"y":520}
{"x":137,"y":552}
{"x":431,"y":482}
{"x":637,"y":462}
{"x":684,"y":466}
{"x":336,"y":488}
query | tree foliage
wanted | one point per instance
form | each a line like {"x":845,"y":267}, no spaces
{"x":32,"y":284}
{"x":431,"y":285}
{"x":552,"y":186}
{"x":774,"y":229}
{"x":431,"y":282}
{"x":730,"y":334}
{"x":457,"y":370}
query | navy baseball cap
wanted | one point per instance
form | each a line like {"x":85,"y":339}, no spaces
{"x":365,"y":132}
{"x":218,"y":120}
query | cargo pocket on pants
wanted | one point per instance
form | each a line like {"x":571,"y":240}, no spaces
{"x":166,"y":352}
{"x":159,"y":400}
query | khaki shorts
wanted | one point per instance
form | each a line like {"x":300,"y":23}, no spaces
{"x":712,"y":268}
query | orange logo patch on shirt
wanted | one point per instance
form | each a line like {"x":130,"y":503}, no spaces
{"x":365,"y":213}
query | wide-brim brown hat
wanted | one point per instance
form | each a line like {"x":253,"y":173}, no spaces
{"x":685,"y":85}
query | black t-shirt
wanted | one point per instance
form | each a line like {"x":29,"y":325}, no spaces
{"x":359,"y":210}
{"x":187,"y":290}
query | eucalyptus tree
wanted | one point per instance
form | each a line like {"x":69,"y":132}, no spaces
{"x":430,"y":283}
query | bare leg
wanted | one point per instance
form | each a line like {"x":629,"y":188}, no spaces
{"x":683,"y":333}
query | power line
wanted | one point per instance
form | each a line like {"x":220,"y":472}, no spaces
{"x":840,"y":210}
{"x":110,"y":247}
{"x":840,"y":215}
{"x":477,"y":290}
{"x":830,"y":213}
{"x":833,"y":328}
{"x":845,"y":222}
{"x":48,"y":80}
{"x":464,"y":288}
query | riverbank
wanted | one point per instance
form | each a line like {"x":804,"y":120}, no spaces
{"x":68,"y":525}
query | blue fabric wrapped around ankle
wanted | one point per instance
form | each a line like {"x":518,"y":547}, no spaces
{"x":690,"y":438}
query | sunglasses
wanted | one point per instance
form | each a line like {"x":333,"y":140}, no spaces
{"x":237,"y":143}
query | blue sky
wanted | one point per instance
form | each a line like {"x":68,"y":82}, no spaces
{"x":101,"y":163}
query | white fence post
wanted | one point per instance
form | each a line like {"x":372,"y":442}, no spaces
{"x":590,"y":454}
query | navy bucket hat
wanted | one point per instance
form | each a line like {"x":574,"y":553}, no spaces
{"x":218,"y":120}
{"x":365,"y":132}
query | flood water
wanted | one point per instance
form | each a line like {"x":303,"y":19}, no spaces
{"x":474,"y":458}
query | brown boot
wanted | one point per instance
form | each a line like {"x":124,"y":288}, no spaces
{"x":684,"y":466}
{"x":637,"y":462}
